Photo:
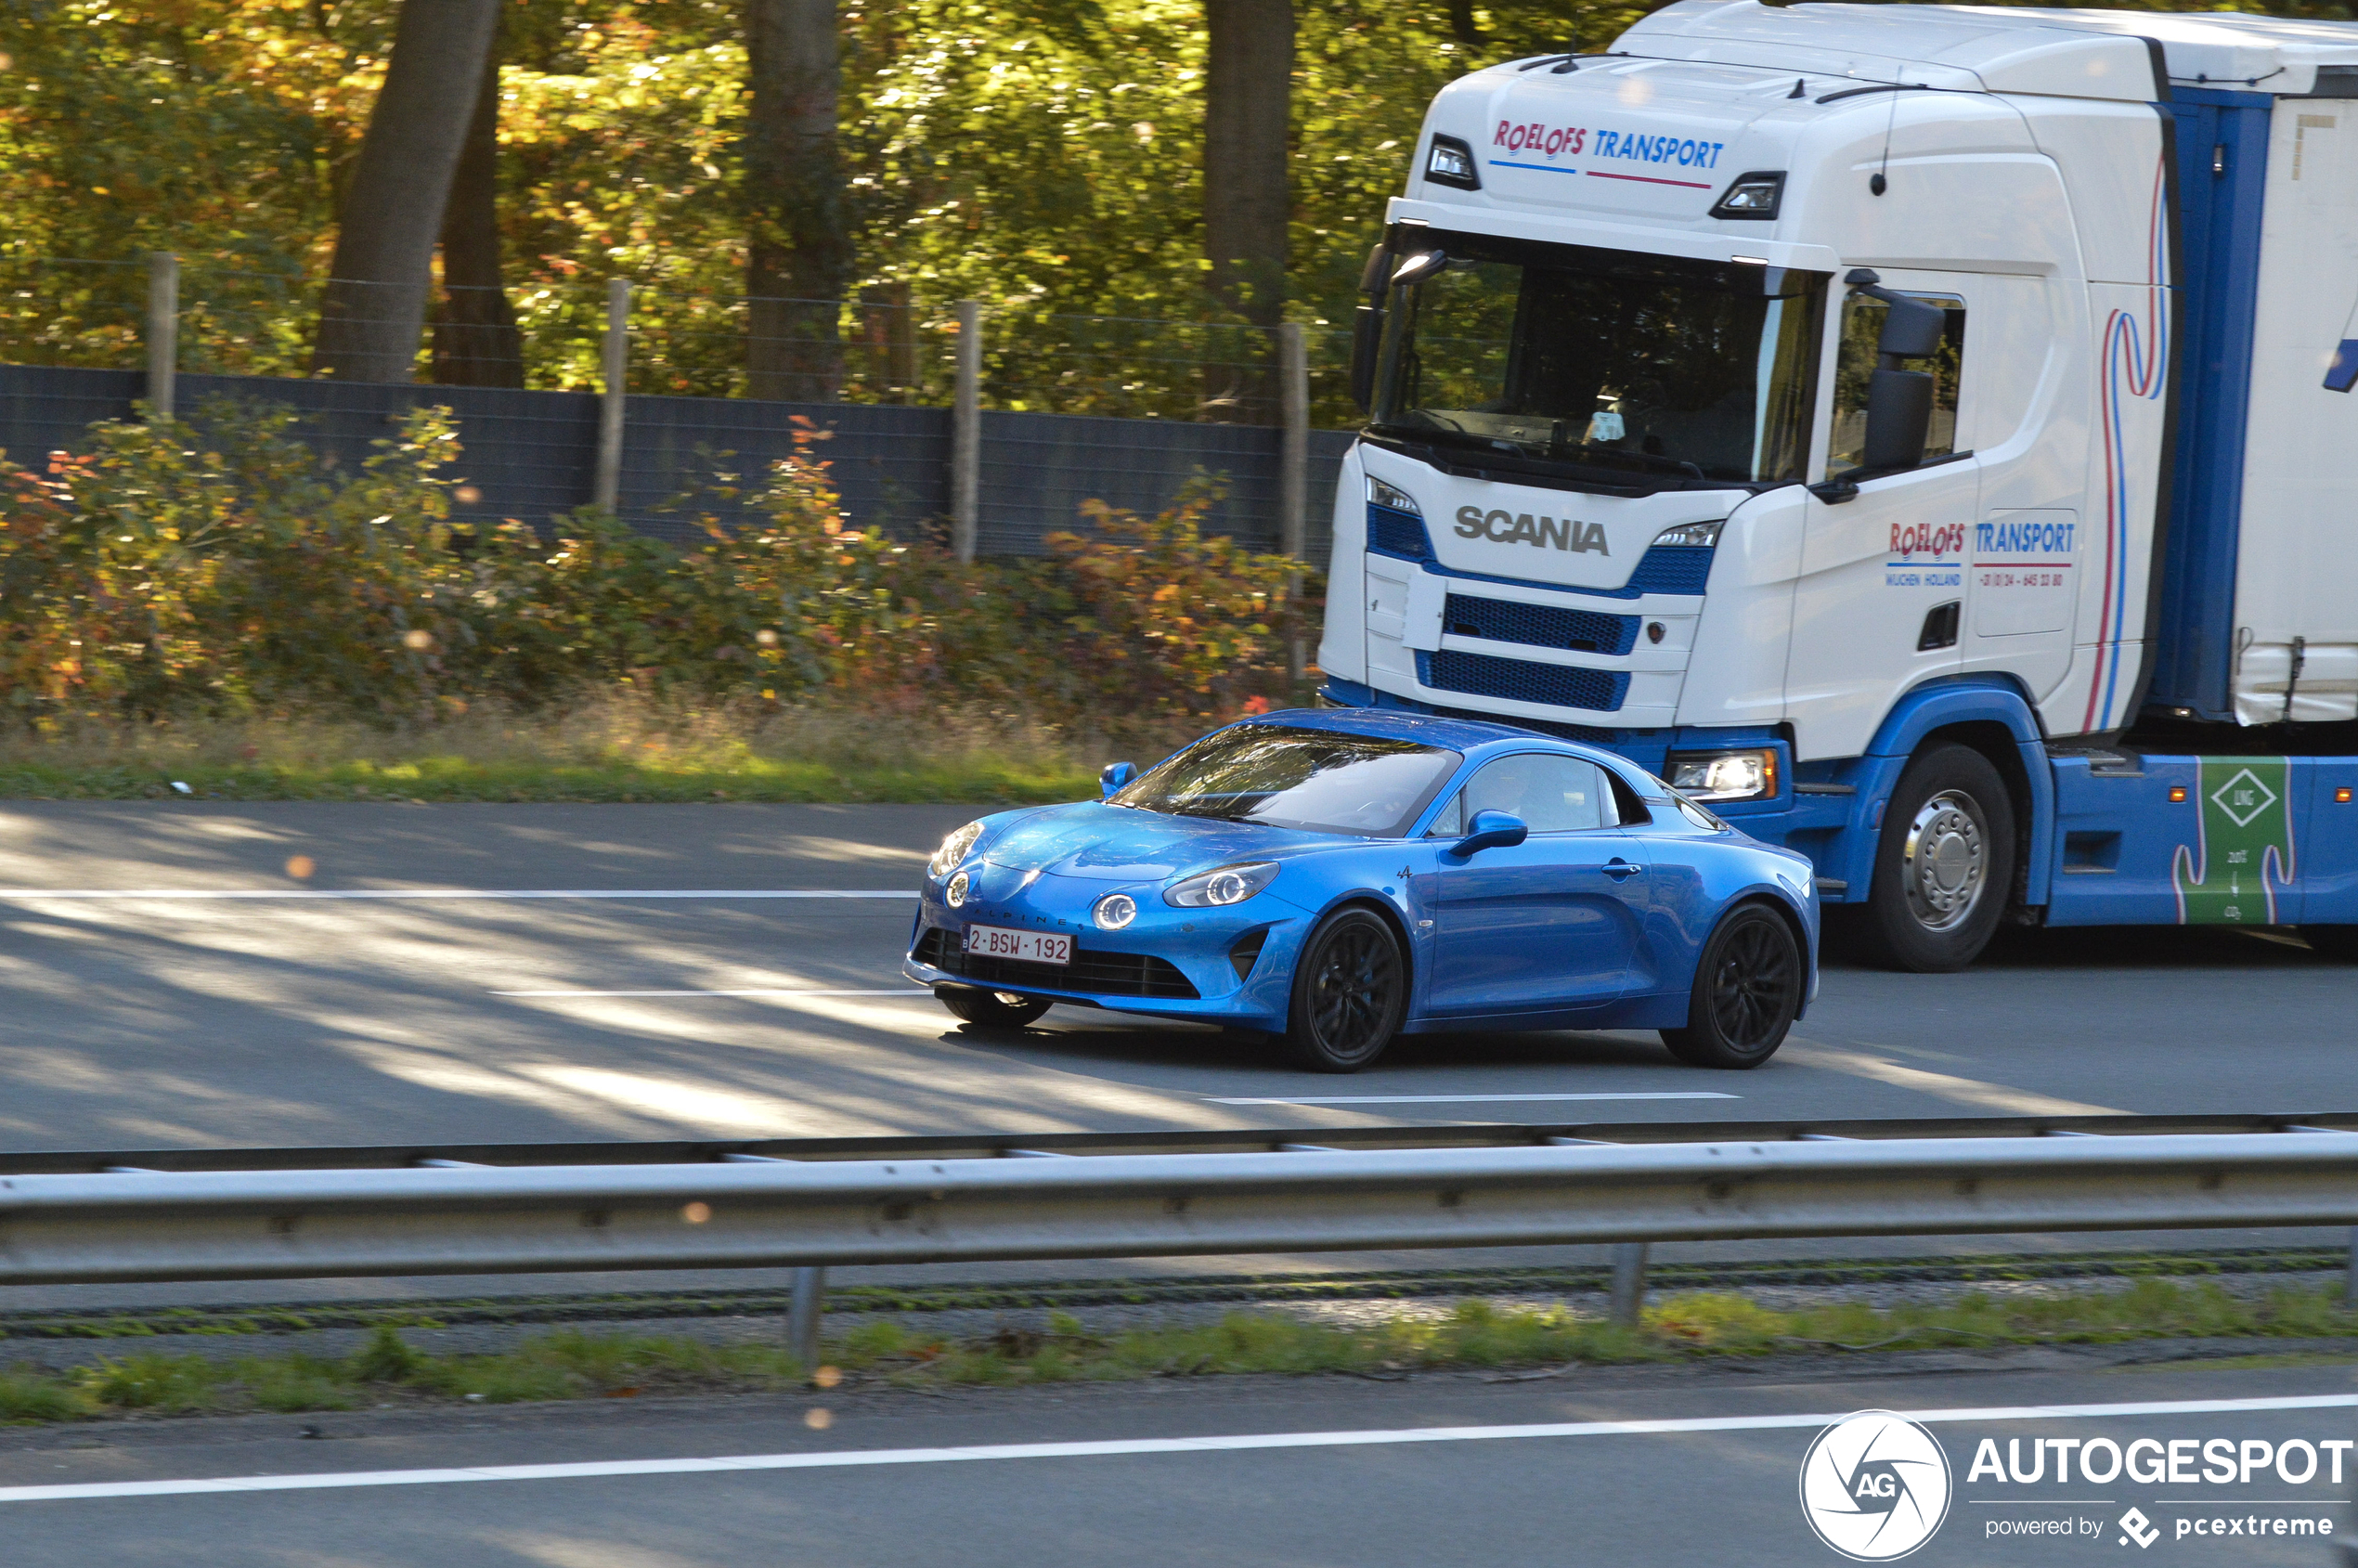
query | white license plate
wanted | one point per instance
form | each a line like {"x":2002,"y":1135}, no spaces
{"x":1024,"y":947}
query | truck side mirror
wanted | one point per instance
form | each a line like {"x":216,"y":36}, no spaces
{"x":1898,"y":420}
{"x":1366,"y":343}
{"x":1911,"y":329}
{"x":1492,"y":830}
{"x":1116,"y":777}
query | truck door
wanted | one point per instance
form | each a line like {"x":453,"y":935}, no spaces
{"x":1881,"y":596}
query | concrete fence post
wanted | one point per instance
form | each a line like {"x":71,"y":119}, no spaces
{"x":1628,"y":1282}
{"x":607,"y":492}
{"x":1293,"y":471}
{"x":164,"y":330}
{"x":966,"y":434}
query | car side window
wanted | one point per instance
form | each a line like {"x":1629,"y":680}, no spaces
{"x":1450,"y":821}
{"x":1550,"y":793}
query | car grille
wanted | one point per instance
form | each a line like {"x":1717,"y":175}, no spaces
{"x":1392,"y":532}
{"x":1485,"y":675}
{"x":1103,"y":974}
{"x":1540,"y":625}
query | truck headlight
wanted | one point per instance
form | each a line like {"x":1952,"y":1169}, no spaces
{"x":1725,"y":775}
{"x":1228,"y":885}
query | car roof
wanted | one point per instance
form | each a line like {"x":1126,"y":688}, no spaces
{"x":1467,"y":735}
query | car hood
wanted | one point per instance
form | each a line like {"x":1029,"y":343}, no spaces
{"x":1118,"y":844}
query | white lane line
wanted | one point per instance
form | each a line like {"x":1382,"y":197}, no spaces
{"x":1453,"y":1099}
{"x":859,"y":1457}
{"x":897,"y":991}
{"x":128,"y":893}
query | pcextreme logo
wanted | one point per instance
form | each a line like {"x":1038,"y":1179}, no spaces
{"x":1875,"y":1487}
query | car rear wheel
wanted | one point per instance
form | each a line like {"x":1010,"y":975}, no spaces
{"x":1748,"y":989}
{"x":1945,"y":865}
{"x":989,"y":1009}
{"x":1350,"y":993}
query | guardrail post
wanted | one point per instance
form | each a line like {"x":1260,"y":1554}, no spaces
{"x":1628,"y":1282}
{"x":607,"y":492}
{"x":164,"y":330}
{"x":966,"y":434}
{"x":1293,"y":471}
{"x":2350,"y":1275}
{"x":805,"y":1307}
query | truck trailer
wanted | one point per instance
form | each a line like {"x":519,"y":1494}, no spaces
{"x":1921,"y":433}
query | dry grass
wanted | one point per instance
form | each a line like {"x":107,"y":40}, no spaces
{"x":621,"y":748}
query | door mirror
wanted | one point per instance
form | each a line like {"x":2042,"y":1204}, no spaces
{"x":1898,"y":418}
{"x":1911,"y":330}
{"x":1366,"y":343}
{"x":1117,"y":775}
{"x":1491,"y":830}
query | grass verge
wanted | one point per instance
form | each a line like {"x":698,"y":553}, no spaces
{"x":571,"y":1363}
{"x":617,"y":748}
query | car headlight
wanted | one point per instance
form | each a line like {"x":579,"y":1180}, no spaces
{"x":954,"y":849}
{"x":1115,"y":910}
{"x":955,"y":894}
{"x":1725,"y":775}
{"x":1228,"y":885}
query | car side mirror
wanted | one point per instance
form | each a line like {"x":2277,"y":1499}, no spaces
{"x":1116,"y":776}
{"x":1492,"y":830}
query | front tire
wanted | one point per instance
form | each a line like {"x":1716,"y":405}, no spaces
{"x":1350,"y":993}
{"x":1945,"y":866}
{"x":989,"y":1009}
{"x":1748,"y":990}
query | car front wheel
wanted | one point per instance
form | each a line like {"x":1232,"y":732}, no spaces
{"x":1350,"y":993}
{"x":1748,"y":990}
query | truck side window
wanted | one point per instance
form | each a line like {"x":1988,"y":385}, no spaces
{"x":1550,"y":793}
{"x":1862,"y":325}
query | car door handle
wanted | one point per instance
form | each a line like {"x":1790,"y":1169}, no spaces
{"x":1620,"y":869}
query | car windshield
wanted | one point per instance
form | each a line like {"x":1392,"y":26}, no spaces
{"x":1317,"y":781}
{"x":1681,"y":373}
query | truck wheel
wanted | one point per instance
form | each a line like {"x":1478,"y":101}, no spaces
{"x":1747,"y":991}
{"x":1350,"y":993}
{"x":1945,"y":865}
{"x":2332,"y":941}
{"x":989,"y":1009}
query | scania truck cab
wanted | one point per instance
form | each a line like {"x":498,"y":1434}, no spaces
{"x":1921,"y":433}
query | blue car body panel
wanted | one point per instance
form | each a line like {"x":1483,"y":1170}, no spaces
{"x":1600,"y":928}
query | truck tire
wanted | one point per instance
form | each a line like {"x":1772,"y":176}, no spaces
{"x":1748,"y":989}
{"x":2338,"y":942}
{"x":1945,"y":865}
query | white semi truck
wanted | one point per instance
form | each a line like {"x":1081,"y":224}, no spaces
{"x":1920,"y":432}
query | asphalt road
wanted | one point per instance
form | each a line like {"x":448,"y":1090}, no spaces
{"x":1298,"y":1473}
{"x":136,"y":1020}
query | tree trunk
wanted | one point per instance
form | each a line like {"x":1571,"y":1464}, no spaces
{"x":475,"y":340}
{"x":799,"y":261}
{"x":1248,"y":99}
{"x":1461,"y":23}
{"x":374,"y":309}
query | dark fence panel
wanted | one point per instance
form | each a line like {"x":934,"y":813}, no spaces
{"x":531,"y":455}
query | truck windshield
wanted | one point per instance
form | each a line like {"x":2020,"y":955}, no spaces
{"x":1684,"y":372}
{"x":1319,"y":781}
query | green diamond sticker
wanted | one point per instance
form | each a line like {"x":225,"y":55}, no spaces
{"x":2243,"y":797}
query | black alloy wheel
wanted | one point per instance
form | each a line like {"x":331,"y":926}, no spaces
{"x":989,"y":1009}
{"x":1350,"y":993}
{"x":1748,"y":989}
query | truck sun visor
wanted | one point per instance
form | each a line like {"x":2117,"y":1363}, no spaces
{"x":1450,"y":161}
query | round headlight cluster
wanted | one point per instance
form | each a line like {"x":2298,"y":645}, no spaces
{"x":954,"y":849}
{"x":1225,"y":887}
{"x":1222,"y":886}
{"x":1115,"y":910}
{"x":956,"y":892}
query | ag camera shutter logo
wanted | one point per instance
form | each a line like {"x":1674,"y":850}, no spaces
{"x":1875,"y":1487}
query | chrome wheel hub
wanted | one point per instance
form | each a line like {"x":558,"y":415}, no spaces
{"x":1945,"y":859}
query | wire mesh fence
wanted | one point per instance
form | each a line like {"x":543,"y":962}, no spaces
{"x":885,"y":346}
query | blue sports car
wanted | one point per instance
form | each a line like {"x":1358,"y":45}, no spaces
{"x":1335,"y":877}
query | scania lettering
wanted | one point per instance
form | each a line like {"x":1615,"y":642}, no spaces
{"x":1920,"y":432}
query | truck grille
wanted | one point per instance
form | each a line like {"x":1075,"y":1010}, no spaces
{"x":1391,"y":532}
{"x":1103,"y":974}
{"x":1671,"y":568}
{"x":1541,"y":626}
{"x":1485,"y":675}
